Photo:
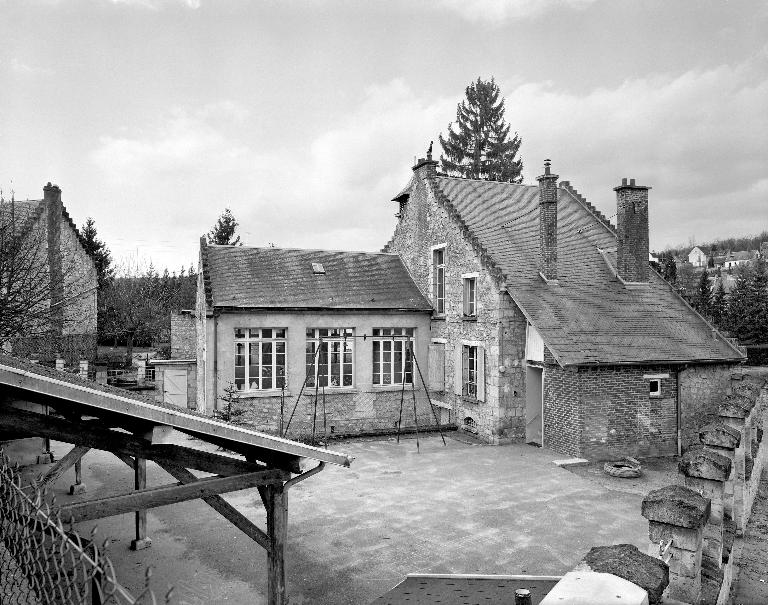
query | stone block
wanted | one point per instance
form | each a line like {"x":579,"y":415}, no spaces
{"x":736,"y":406}
{"x":626,"y":561}
{"x":684,"y":588}
{"x":720,"y":434}
{"x":676,"y":505}
{"x":705,"y":464}
{"x":685,"y":562}
{"x":682,"y":537}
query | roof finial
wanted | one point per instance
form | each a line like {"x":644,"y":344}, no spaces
{"x":429,"y":151}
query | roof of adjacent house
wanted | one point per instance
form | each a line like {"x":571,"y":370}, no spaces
{"x":589,"y":316}
{"x":247,"y":277}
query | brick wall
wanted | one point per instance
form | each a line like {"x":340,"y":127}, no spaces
{"x":499,"y":327}
{"x":183,"y":336}
{"x":702,"y":388}
{"x":562,"y":408}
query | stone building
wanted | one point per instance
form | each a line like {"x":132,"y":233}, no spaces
{"x":61,"y":282}
{"x":311,"y":337}
{"x":548,"y":325}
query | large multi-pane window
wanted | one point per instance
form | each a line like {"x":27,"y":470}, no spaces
{"x":438,"y":279}
{"x":469,"y":360}
{"x":330,"y":360}
{"x":259,"y":358}
{"x":392,"y":361}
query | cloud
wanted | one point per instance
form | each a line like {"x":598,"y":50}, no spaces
{"x":21,"y":68}
{"x":499,"y":12}
{"x":157,"y":4}
{"x":697,"y":138}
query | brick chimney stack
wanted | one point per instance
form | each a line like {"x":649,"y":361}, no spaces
{"x":54,"y":209}
{"x":548,"y":222}
{"x":632,"y":230}
{"x":428,"y":164}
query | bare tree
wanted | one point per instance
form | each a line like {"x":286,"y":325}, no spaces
{"x":47,"y":281}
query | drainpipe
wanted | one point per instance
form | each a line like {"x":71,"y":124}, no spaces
{"x":215,"y":362}
{"x":679,"y":414}
{"x":291,"y":482}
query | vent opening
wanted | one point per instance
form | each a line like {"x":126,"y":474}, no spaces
{"x":318,"y":269}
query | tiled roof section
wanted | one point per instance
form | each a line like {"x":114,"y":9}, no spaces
{"x":245,"y":277}
{"x":405,"y":191}
{"x":590,"y":317}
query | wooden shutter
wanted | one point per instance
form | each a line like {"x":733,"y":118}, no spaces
{"x":480,"y":374}
{"x":457,"y":369}
{"x":437,"y":367}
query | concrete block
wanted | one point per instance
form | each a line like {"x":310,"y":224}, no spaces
{"x":684,"y":589}
{"x":720,"y":435}
{"x":141,"y":544}
{"x":594,"y":588}
{"x":76,"y":489}
{"x":676,"y":505}
{"x":682,"y":537}
{"x":705,"y":463}
{"x":685,"y":562}
{"x":735,"y":406}
{"x":626,"y":561}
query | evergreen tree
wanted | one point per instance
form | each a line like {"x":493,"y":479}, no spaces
{"x":98,"y":250}
{"x":703,"y":297}
{"x":223,"y":232}
{"x":739,"y":303}
{"x":481,"y":147}
{"x":719,"y":305}
{"x":669,"y":270}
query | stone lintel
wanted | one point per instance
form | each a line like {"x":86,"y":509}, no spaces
{"x":676,"y":505}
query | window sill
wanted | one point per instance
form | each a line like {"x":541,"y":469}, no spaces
{"x":440,"y":317}
{"x":392,"y":387}
{"x":264,"y":393}
{"x":310,"y":391}
{"x":472,"y":400}
{"x":469,"y":318}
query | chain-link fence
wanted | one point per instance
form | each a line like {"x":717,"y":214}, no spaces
{"x":44,"y":563}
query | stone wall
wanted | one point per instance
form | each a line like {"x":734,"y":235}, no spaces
{"x":183,"y":335}
{"x":702,"y":388}
{"x":499,"y":327}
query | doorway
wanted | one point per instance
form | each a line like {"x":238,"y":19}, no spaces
{"x":175,"y":386}
{"x":534,"y":404}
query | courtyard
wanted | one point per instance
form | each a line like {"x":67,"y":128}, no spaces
{"x":354,"y":533}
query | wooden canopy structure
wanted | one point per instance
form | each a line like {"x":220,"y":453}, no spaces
{"x":36,"y":401}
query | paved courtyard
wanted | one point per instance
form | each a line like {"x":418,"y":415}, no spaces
{"x":354,"y":533}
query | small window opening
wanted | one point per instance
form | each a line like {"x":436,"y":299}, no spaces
{"x":318,"y":269}
{"x":470,"y":425}
{"x":654,"y":389}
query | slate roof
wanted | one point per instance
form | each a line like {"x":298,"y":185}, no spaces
{"x":247,"y":277}
{"x":590,"y":317}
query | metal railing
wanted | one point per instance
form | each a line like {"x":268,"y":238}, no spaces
{"x":42,"y":562}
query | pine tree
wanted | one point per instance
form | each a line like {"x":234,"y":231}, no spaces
{"x":98,"y":251}
{"x":719,"y":305}
{"x":703,"y":297}
{"x":481,"y":147}
{"x":223,"y":232}
{"x":739,"y":304}
{"x":669,"y":270}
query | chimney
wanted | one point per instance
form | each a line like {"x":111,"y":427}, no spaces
{"x":54,"y":209}
{"x":632,"y":229}
{"x":548,"y":222}
{"x":427,"y":165}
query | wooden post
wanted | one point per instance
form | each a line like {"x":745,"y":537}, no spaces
{"x":78,"y":487}
{"x":140,"y":482}
{"x":276,"y":502}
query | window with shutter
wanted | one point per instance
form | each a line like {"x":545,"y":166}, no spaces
{"x":437,"y":366}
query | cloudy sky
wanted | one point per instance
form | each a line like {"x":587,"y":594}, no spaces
{"x":305,"y":117}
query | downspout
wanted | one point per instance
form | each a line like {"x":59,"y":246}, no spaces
{"x":313,"y":471}
{"x":679,"y":414}
{"x":215,"y":362}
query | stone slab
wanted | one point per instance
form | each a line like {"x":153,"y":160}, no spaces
{"x":720,"y":434}
{"x":704,"y":463}
{"x":626,"y":561}
{"x":595,"y":588}
{"x":676,"y":505}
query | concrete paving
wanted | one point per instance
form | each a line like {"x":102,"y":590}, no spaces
{"x":355,"y":533}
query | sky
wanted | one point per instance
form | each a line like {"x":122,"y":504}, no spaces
{"x":305,"y":117}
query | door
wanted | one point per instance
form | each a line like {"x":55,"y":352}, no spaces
{"x":534,"y":420}
{"x":175,"y":386}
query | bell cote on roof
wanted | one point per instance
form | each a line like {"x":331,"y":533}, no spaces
{"x":632,"y":231}
{"x":548,"y":223}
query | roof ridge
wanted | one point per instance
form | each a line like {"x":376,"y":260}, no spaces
{"x":226,"y":246}
{"x":592,"y":209}
{"x":482,"y":252}
{"x":466,"y":178}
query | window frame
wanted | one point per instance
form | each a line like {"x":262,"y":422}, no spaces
{"x":469,"y":295}
{"x":247,"y":341}
{"x":469,"y":354}
{"x":657,"y":393}
{"x":438,"y":277}
{"x":344,"y":337}
{"x":406,"y":361}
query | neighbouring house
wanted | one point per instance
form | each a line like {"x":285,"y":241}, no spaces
{"x":315,"y":338}
{"x":698,"y":257}
{"x":55,"y":277}
{"x":176,"y":378}
{"x":548,"y":325}
{"x":741,"y":257}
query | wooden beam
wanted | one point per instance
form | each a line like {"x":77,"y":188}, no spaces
{"x":167,"y":494}
{"x":93,"y":436}
{"x":221,"y":506}
{"x":275,"y":500}
{"x":63,"y":465}
{"x":140,"y":483}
